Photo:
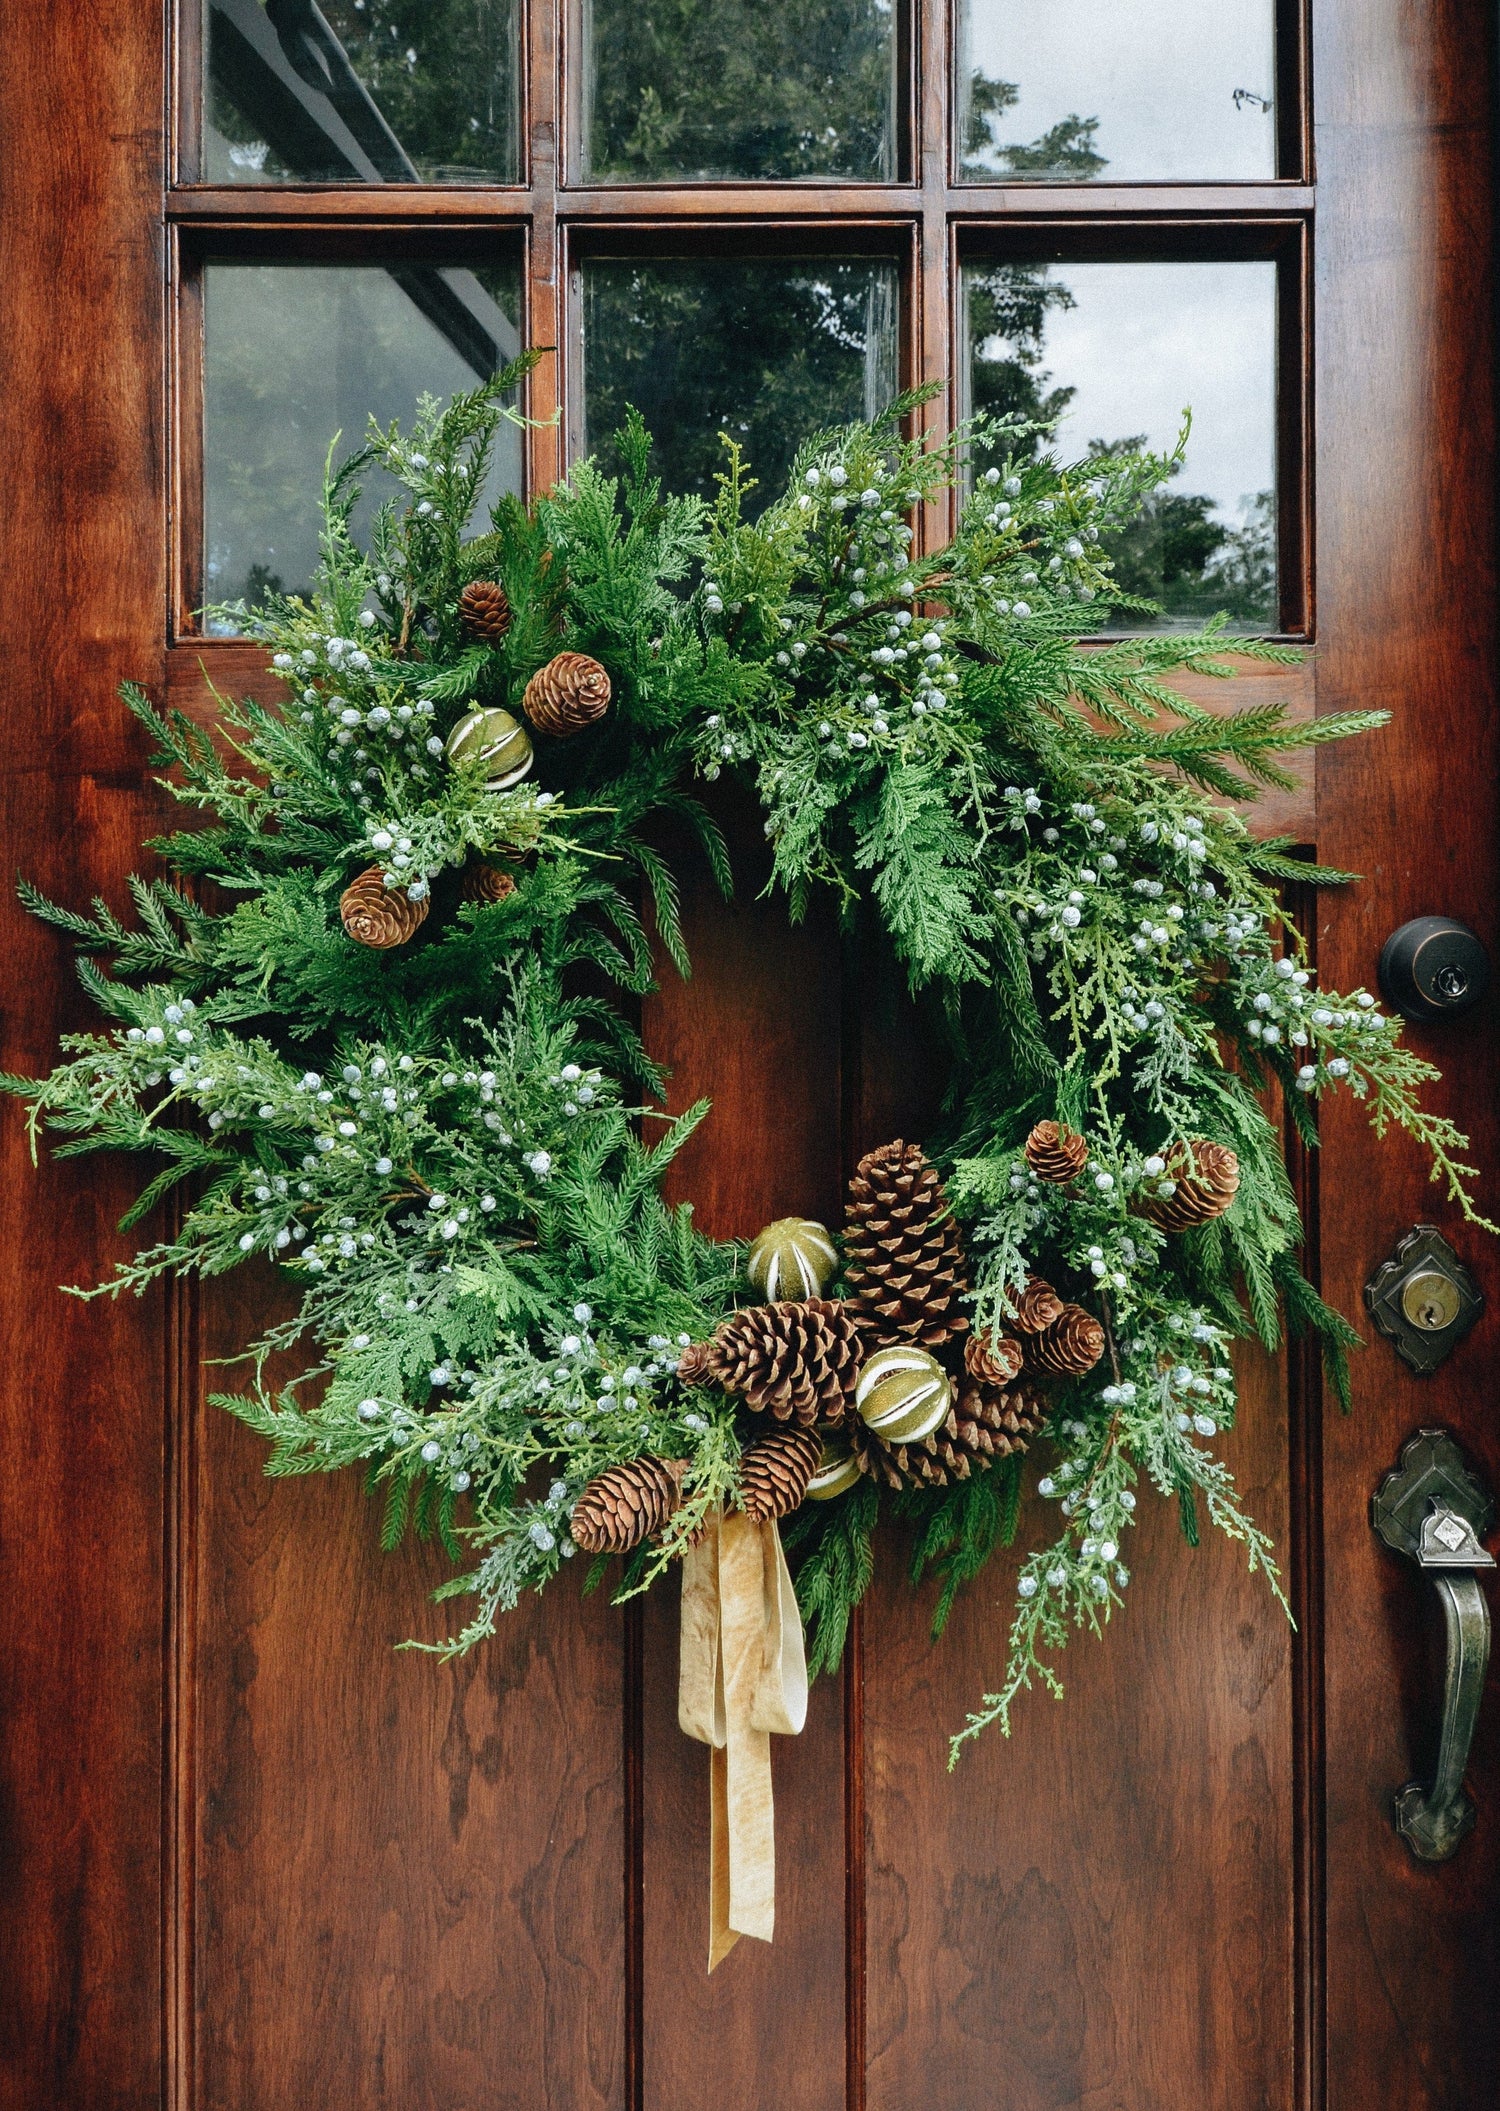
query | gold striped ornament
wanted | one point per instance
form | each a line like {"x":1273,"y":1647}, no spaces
{"x":792,"y":1258}
{"x":903,"y":1394}
{"x":836,"y":1471}
{"x":495,"y":739}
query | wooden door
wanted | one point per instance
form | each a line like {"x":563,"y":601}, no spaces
{"x":251,"y":1857}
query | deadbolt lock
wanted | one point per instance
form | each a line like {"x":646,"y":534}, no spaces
{"x":1424,"y":1298}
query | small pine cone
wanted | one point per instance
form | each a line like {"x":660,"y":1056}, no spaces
{"x":995,"y":1362}
{"x":695,"y":1365}
{"x":1036,"y":1307}
{"x":903,"y":1254}
{"x":488,"y":884}
{"x":625,"y":1504}
{"x":484,"y":611}
{"x":566,"y":695}
{"x":1207,"y":1177}
{"x":984,"y":1424}
{"x":797,"y":1360}
{"x":775,"y":1471}
{"x":1072,"y":1344}
{"x":1055,"y":1153}
{"x":376,"y":915}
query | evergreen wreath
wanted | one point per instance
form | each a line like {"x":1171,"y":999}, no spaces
{"x":374,"y":1046}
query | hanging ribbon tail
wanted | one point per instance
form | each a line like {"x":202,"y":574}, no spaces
{"x":743,"y":1677}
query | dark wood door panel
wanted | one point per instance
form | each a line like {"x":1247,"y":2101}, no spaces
{"x":82,"y":1461}
{"x":1102,"y":1906}
{"x":83,"y":1425}
{"x":407,"y":1879}
{"x":758,"y":1030}
{"x":1405,"y":482}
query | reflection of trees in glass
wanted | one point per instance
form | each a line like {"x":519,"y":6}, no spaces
{"x":293,"y":354}
{"x":766,"y":352}
{"x":1067,"y":151}
{"x":750,"y":88}
{"x":1176,"y":552}
{"x":441,"y":72}
{"x":1007,"y":307}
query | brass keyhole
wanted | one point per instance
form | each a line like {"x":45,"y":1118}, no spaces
{"x":1430,"y":1301}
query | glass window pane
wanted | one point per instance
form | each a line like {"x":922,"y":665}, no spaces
{"x":1115,"y":353}
{"x":747,"y":88}
{"x":1122,"y":91}
{"x":294,"y":353}
{"x":765,"y":352}
{"x":360,"y":91}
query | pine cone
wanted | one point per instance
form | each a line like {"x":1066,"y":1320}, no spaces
{"x":985,"y":1423}
{"x":1036,"y":1307}
{"x":1055,"y":1153}
{"x":995,"y":1362}
{"x":902,"y":1250}
{"x":484,"y":610}
{"x":695,"y":1364}
{"x":566,"y":695}
{"x":376,"y":915}
{"x":625,"y":1504}
{"x":775,"y":1471}
{"x":488,"y":884}
{"x":1207,"y":1177}
{"x":1072,"y":1344}
{"x":796,"y":1361}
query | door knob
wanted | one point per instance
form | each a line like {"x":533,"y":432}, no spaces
{"x":1433,"y":968}
{"x":1432,"y":1509}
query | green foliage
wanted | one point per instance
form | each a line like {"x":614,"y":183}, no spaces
{"x":742,"y":89}
{"x":437,"y":1142}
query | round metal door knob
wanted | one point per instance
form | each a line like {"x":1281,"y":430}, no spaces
{"x":1433,"y":968}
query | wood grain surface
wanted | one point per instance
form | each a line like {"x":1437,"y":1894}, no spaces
{"x":252,"y":1857}
{"x":406,"y":1878}
{"x":1407,"y":622}
{"x":82,"y":1392}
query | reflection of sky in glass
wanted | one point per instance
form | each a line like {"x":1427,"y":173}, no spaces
{"x":1160,"y":76}
{"x":1145,"y":340}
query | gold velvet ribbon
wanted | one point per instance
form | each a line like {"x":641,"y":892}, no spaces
{"x":743,"y":1675}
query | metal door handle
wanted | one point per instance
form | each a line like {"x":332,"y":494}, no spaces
{"x":1432,"y":1509}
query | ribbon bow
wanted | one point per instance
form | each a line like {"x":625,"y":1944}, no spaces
{"x":743,"y":1675}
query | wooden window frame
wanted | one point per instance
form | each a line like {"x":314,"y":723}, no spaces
{"x":929,"y":221}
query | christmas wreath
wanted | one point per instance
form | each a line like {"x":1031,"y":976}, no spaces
{"x":372,"y":1043}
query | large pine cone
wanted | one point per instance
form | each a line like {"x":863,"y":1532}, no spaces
{"x":566,"y":695}
{"x":985,"y":1423}
{"x":376,"y":915}
{"x":775,"y":1471}
{"x":902,"y":1250}
{"x":1072,"y":1344}
{"x":625,"y":1504}
{"x":795,"y":1360}
{"x":488,"y":884}
{"x":1207,"y":1177}
{"x":484,"y":611}
{"x":1055,"y":1153}
{"x":995,"y":1362}
{"x":1036,"y":1307}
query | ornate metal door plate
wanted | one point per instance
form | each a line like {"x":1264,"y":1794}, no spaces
{"x":1423,"y":1298}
